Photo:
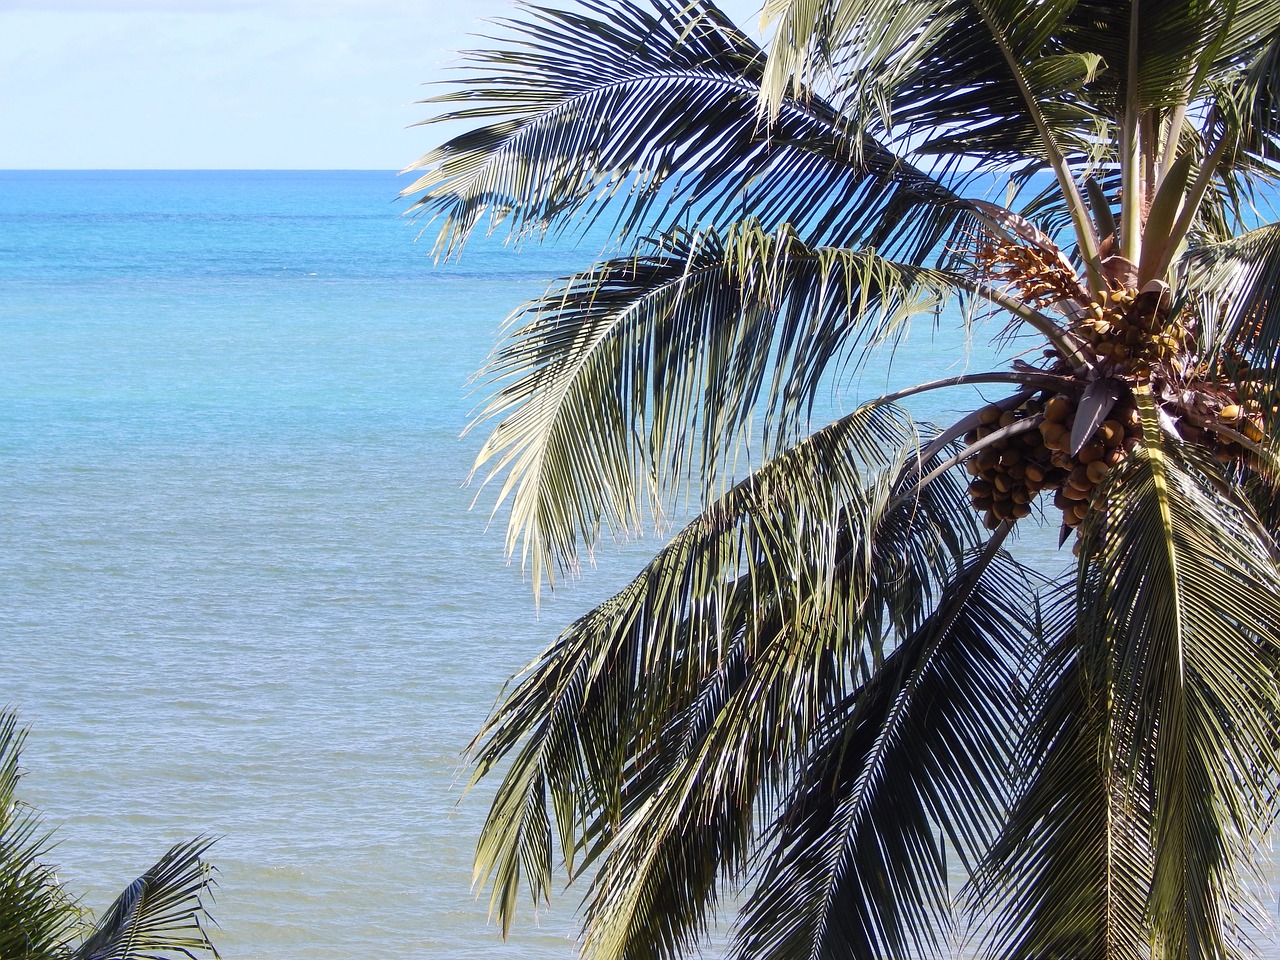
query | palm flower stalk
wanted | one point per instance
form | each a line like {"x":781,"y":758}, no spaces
{"x":839,"y":686}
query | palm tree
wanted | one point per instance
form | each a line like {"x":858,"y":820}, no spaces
{"x":836,"y":689}
{"x":160,"y":916}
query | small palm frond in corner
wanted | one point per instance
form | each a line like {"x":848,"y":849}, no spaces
{"x":161,"y":916}
{"x":36,"y":914}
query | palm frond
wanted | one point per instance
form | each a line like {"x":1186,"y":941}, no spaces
{"x":653,"y":116}
{"x":619,"y":385}
{"x":1251,"y":21}
{"x":814,"y":694}
{"x":1070,"y":873}
{"x":161,"y":915}
{"x":914,"y":760}
{"x":660,"y":720}
{"x":1261,"y":95}
{"x":1238,"y":291}
{"x":36,"y":915}
{"x":1194,"y":681}
{"x":949,"y":77}
{"x":1157,"y":743}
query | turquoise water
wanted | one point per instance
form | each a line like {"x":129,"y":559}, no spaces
{"x":242,"y":590}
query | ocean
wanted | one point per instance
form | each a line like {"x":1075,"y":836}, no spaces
{"x":243,"y":590}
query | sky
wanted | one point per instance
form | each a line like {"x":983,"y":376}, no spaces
{"x":230,"y":84}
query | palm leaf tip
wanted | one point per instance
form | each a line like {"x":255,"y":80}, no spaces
{"x":37,"y":916}
{"x":162,"y":914}
{"x":648,"y":688}
{"x":577,"y":451}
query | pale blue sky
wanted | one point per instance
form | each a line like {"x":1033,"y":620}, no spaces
{"x":289,"y":84}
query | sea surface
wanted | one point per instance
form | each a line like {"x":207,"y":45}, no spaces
{"x":243,"y":591}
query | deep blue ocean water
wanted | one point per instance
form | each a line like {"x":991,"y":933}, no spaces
{"x":241,"y":589}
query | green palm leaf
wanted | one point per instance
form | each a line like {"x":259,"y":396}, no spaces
{"x":658,"y":722}
{"x":914,"y":759}
{"x":1159,"y":733}
{"x":919,"y":66}
{"x":814,"y":695}
{"x":709,"y":332}
{"x":36,"y":915}
{"x":655,"y":113}
{"x":1236,"y":284}
{"x":1071,"y":872}
{"x":161,"y":914}
{"x":1258,"y":94}
{"x":1196,"y":664}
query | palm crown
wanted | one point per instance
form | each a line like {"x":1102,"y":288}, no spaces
{"x":835,"y":684}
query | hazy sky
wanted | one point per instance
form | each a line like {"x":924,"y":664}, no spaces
{"x":290,"y":84}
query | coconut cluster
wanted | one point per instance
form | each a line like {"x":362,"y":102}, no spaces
{"x":1130,"y":331}
{"x":1204,"y":425}
{"x":1127,"y":330}
{"x":1132,"y":336}
{"x":1015,"y":467}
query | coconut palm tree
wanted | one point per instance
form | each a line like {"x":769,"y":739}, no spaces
{"x":160,"y":916}
{"x":838,"y":689}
